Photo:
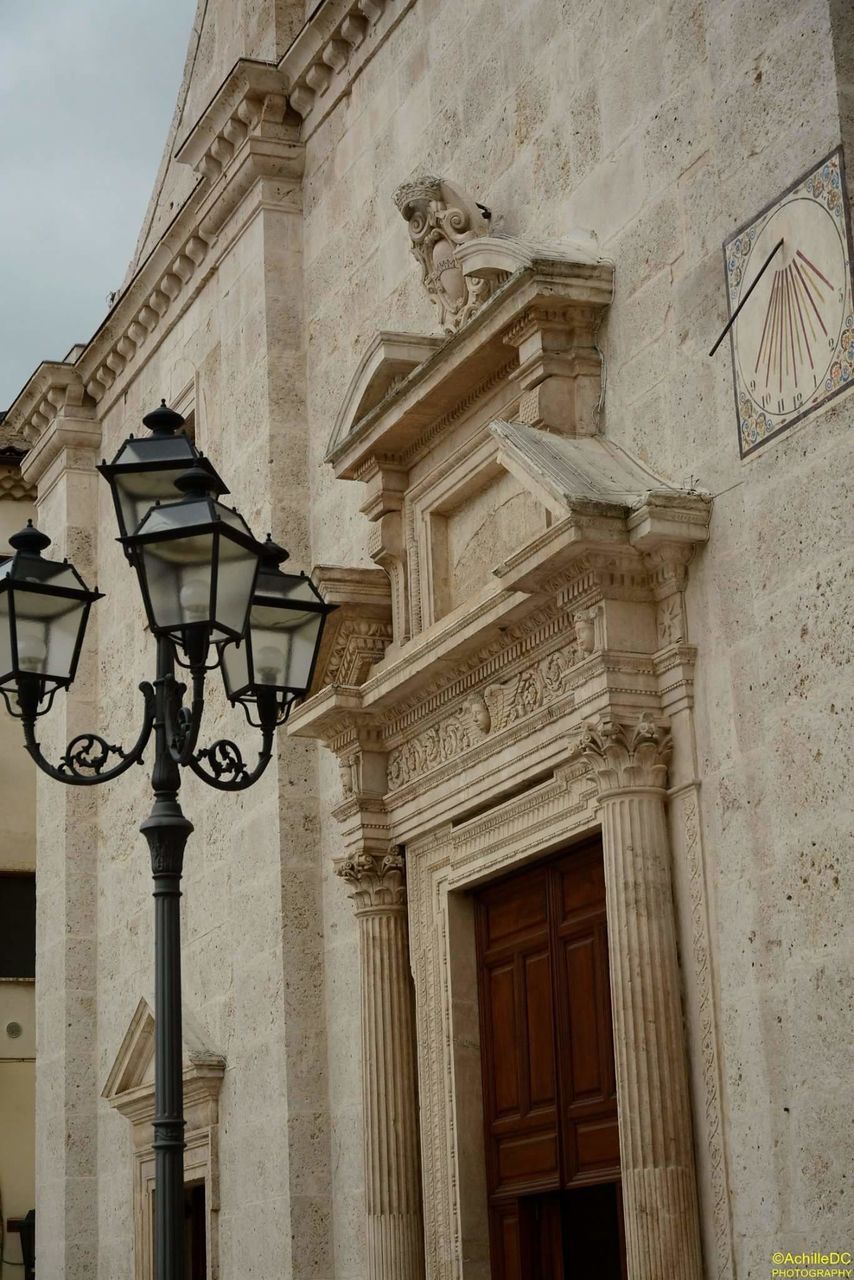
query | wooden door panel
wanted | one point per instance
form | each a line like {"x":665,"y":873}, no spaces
{"x":550,"y":1114}
{"x":505,"y":1231}
{"x":596,"y":1150}
{"x":587,"y":1073}
{"x":582,"y":881}
{"x":513,"y":914}
{"x":501,"y":1022}
{"x":527,"y":1161}
{"x":537,"y":1045}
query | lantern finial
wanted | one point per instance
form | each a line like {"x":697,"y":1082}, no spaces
{"x":163,"y":421}
{"x":30,"y":540}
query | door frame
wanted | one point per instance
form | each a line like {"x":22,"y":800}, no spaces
{"x":443,"y":868}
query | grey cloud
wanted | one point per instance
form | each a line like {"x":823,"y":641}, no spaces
{"x":87,"y":91}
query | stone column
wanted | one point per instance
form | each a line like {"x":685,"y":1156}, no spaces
{"x":656,"y":1147}
{"x":389,"y":1080}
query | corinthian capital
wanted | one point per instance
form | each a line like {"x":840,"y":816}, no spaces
{"x":378,"y":879}
{"x":624,"y":756}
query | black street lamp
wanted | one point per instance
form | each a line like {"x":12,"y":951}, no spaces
{"x":198,"y":570}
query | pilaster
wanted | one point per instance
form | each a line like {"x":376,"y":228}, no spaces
{"x":61,"y":465}
{"x":629,"y":763}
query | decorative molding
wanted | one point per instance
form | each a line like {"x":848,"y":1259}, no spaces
{"x":441,"y":218}
{"x":55,"y":385}
{"x":624,"y":757}
{"x":474,"y":354}
{"x":359,"y":630}
{"x":485,"y":711}
{"x":242,"y":137}
{"x":249,"y":108}
{"x":378,"y":879}
{"x":387,"y":361}
{"x":332,"y":50}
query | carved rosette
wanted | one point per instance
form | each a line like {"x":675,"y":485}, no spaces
{"x":440,"y":218}
{"x":625,"y":757}
{"x":378,"y":880}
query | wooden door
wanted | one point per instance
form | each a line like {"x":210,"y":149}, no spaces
{"x":550,"y":1111}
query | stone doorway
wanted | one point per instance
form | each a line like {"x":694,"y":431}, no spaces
{"x":549,"y":1086}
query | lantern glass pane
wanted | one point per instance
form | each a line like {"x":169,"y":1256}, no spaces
{"x":61,"y":641}
{"x":283,"y":643}
{"x":234,"y":582}
{"x":235,"y":667}
{"x":174,"y":516}
{"x":157,"y":462}
{"x":5,"y":638}
{"x":178,"y":577}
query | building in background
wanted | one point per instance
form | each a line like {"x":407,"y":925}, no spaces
{"x":531,"y":953}
{"x":17,"y":930}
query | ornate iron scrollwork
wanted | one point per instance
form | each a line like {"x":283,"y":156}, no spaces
{"x":87,"y":754}
{"x":226,"y":769}
{"x":86,"y":757}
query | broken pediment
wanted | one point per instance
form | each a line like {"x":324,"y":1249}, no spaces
{"x":536,"y":332}
{"x":497,"y":257}
{"x":387,"y":361}
{"x":563,"y":470}
{"x":495,"y":503}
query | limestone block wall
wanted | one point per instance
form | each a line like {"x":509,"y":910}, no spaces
{"x":663,"y":126}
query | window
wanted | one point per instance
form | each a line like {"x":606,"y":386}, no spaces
{"x":18,"y":925}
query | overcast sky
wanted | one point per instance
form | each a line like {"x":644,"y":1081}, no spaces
{"x":87,"y":90}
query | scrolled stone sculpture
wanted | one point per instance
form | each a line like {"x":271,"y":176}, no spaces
{"x":440,"y":218}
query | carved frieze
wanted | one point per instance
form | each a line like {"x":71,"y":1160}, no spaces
{"x":483,"y":712}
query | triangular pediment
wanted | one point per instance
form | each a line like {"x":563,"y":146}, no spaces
{"x":133,"y":1067}
{"x":386,"y":362}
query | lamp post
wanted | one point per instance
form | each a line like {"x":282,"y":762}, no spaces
{"x":214,"y":597}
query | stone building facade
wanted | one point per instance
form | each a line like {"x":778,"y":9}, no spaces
{"x":435,"y":285}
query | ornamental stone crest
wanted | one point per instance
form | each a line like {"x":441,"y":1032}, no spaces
{"x":441,"y":218}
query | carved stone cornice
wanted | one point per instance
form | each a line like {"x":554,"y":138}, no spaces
{"x":247,"y":112}
{"x":242,"y":137}
{"x":624,"y":757}
{"x":378,"y":880}
{"x":332,"y":50}
{"x":71,"y":441}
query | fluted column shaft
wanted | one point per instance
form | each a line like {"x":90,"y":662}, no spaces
{"x":656,"y":1144}
{"x":395,"y":1231}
